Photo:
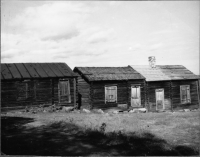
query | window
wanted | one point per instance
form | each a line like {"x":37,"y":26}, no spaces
{"x":64,"y":88}
{"x":110,"y":94}
{"x":185,"y":94}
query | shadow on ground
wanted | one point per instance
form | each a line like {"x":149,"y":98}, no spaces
{"x":67,"y":139}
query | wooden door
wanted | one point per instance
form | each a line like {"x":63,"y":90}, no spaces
{"x":64,"y":91}
{"x":160,"y":105}
{"x":135,"y":96}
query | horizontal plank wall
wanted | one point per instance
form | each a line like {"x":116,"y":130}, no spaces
{"x":176,"y":94}
{"x":123,"y":93}
{"x":152,"y":86}
{"x":98,"y":95}
{"x":40,"y":91}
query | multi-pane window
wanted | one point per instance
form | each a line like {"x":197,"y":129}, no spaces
{"x":185,"y":94}
{"x":111,"y":94}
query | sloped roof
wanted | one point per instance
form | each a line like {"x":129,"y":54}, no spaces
{"x":35,"y":70}
{"x":108,"y":73}
{"x":164,"y":72}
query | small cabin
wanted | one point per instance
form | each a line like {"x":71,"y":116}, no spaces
{"x":169,"y":87}
{"x":30,"y":84}
{"x":107,"y":87}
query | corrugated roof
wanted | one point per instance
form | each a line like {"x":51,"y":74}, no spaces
{"x":35,"y":70}
{"x":109,"y":73}
{"x":164,"y":72}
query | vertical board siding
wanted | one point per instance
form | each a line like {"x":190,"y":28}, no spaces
{"x":152,"y":86}
{"x":177,"y":97}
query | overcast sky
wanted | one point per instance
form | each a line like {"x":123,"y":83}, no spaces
{"x":101,"y":33}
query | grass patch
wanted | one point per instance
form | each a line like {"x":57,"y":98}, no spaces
{"x":65,"y":138}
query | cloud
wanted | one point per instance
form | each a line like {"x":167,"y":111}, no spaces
{"x":99,"y":35}
{"x":70,"y":33}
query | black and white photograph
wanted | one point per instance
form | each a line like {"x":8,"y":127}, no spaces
{"x":100,"y":78}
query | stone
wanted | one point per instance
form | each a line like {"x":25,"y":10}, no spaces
{"x":143,"y":110}
{"x":132,"y":111}
{"x":86,"y":111}
{"x":100,"y":111}
{"x":67,"y":109}
{"x":116,"y":112}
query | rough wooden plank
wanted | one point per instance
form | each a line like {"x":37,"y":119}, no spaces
{"x":5,"y":72}
{"x":39,"y":70}
{"x":2,"y":78}
{"x":66,"y":71}
{"x":55,"y":70}
{"x":22,"y":70}
{"x":31,"y":70}
{"x":47,"y":69}
{"x":14,"y":71}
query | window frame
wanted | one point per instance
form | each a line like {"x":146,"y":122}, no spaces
{"x":181,"y":95}
{"x":105,"y":88}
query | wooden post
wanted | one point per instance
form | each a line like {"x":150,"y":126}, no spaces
{"x":52,"y":91}
{"x":74,"y":92}
{"x":198,"y":93}
{"x":128,"y":97}
{"x":58,"y":91}
{"x":147,"y":91}
{"x":145,"y":96}
{"x":91,"y":95}
{"x":171,"y":95}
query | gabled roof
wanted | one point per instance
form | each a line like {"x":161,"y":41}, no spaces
{"x":164,"y":72}
{"x":35,"y":70}
{"x":108,"y":73}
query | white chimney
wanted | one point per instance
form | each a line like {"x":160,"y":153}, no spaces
{"x":152,"y":61}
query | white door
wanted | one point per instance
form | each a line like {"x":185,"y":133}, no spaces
{"x":160,"y":99}
{"x":135,"y":96}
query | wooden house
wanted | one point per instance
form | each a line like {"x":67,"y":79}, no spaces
{"x":29,"y":84}
{"x":106,"y":87}
{"x":169,"y":87}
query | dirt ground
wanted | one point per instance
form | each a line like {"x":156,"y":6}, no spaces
{"x":73,"y":133}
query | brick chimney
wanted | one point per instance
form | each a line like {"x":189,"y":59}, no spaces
{"x":152,"y":61}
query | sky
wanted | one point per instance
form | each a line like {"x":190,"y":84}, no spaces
{"x":101,"y":33}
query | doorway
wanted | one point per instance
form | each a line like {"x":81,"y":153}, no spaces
{"x":160,"y":105}
{"x":135,"y":96}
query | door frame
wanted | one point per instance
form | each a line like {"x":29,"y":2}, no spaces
{"x":132,"y":86}
{"x":163,"y":104}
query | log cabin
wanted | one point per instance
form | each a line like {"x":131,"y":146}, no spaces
{"x":169,"y":87}
{"x":31,"y":84}
{"x":108,"y":87}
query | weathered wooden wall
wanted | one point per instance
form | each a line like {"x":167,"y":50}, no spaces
{"x":123,"y":93}
{"x":98,"y":93}
{"x":83,"y":93}
{"x":176,"y":94}
{"x":151,"y":94}
{"x":41,"y":91}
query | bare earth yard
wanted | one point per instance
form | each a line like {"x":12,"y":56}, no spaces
{"x":94,"y":134}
